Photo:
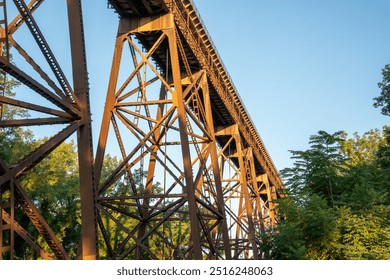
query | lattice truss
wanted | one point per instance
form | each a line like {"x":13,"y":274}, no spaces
{"x":55,"y":101}
{"x":183,"y":194}
{"x":165,"y":182}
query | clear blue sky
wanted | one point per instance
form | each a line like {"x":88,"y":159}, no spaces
{"x":300,"y":66}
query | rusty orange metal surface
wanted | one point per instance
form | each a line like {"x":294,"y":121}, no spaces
{"x":193,"y":179}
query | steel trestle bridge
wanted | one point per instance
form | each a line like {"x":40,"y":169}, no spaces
{"x":192,"y":180}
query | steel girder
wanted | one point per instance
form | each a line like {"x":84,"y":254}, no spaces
{"x":62,"y":102}
{"x":162,"y":122}
{"x":249,"y":200}
{"x":184,"y":186}
{"x":162,"y":119}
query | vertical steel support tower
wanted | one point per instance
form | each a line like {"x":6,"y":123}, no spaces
{"x":192,"y":180}
{"x":57,"y":102}
{"x":162,"y":122}
{"x":180,"y":171}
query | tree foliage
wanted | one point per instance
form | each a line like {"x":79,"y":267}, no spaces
{"x":315,"y":170}
{"x":383,"y":153}
{"x":339,"y":200}
{"x":15,"y":141}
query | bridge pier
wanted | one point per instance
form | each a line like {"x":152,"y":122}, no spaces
{"x":182,"y":121}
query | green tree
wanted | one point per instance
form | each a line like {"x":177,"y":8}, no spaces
{"x":383,"y":100}
{"x":363,"y":149}
{"x":54,"y":187}
{"x":364,"y":236}
{"x":306,"y":231}
{"x":315,"y":171}
{"x":338,"y":203}
{"x":366,"y":181}
{"x":15,"y":141}
{"x":383,"y":153}
{"x":52,"y":184}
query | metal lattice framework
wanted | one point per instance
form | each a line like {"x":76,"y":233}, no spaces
{"x":193,"y":179}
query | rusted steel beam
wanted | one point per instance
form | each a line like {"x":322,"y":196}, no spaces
{"x":84,"y":134}
{"x":4,"y":31}
{"x":38,"y":88}
{"x":28,"y":162}
{"x":19,"y":20}
{"x":32,"y":159}
{"x":241,"y":188}
{"x":215,"y":167}
{"x":26,"y":237}
{"x":193,"y":29}
{"x":20,"y":196}
{"x":36,"y":67}
{"x":35,"y":107}
{"x":181,"y":118}
{"x":32,"y":122}
{"x":109,"y":106}
{"x":271,"y":198}
{"x":175,"y":115}
{"x":72,"y":109}
{"x":40,"y":223}
{"x":247,"y":205}
{"x":204,"y":52}
{"x":178,"y":100}
{"x":45,"y":48}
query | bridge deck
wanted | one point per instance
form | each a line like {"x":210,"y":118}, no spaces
{"x":228,"y":107}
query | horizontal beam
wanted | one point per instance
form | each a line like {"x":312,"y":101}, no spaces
{"x":32,"y":122}
{"x":34,"y":107}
